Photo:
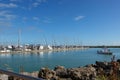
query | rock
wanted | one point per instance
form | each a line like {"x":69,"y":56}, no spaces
{"x":89,"y":72}
{"x":118,"y":60}
{"x":61,"y":72}
{"x":74,"y":74}
{"x":83,"y":73}
{"x":59,"y":67}
{"x":101,"y":64}
{"x":45,"y":73}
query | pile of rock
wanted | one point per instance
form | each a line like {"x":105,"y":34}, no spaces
{"x":89,"y":72}
{"x":61,"y":73}
{"x":83,"y":73}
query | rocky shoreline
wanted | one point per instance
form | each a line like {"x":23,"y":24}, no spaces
{"x":98,"y":71}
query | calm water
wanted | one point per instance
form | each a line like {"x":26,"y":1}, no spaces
{"x":34,"y":61}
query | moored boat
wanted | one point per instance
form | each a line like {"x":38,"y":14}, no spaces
{"x":105,"y":52}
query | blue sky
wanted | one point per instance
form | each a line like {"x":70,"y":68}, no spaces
{"x":88,"y":22}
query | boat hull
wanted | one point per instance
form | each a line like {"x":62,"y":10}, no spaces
{"x":105,"y":53}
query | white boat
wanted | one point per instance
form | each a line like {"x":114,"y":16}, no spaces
{"x":105,"y":51}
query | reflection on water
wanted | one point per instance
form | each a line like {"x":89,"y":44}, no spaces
{"x":41,"y":54}
{"x":5,"y":55}
{"x":49,"y":54}
{"x":34,"y":61}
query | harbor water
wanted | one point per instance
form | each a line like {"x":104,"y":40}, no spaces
{"x":30,"y":62}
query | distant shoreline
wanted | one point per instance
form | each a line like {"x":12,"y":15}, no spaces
{"x":60,"y":49}
{"x":45,"y":50}
{"x":103,"y":46}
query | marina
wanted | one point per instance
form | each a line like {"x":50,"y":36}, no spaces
{"x":59,"y":40}
{"x":38,"y":48}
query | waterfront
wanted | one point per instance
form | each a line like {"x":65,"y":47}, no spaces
{"x":34,"y":61}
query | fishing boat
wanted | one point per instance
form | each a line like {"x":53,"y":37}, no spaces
{"x":105,"y":52}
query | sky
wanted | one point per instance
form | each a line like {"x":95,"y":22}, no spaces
{"x":84,"y":22}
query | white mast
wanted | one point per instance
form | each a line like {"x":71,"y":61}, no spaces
{"x":19,"y":34}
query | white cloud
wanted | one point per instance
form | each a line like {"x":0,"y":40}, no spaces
{"x":31,"y":4}
{"x":79,"y":18}
{"x":10,"y":5}
{"x":38,"y":2}
{"x":36,"y":18}
{"x":47,"y":20}
{"x":6,"y":15}
{"x":44,"y":20}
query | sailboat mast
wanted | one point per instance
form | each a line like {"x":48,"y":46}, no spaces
{"x":45,"y":41}
{"x":19,"y":32}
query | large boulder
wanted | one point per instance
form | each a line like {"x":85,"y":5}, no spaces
{"x":61,"y":72}
{"x":101,"y":64}
{"x":118,"y":60}
{"x":46,"y":73}
{"x":83,"y":73}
